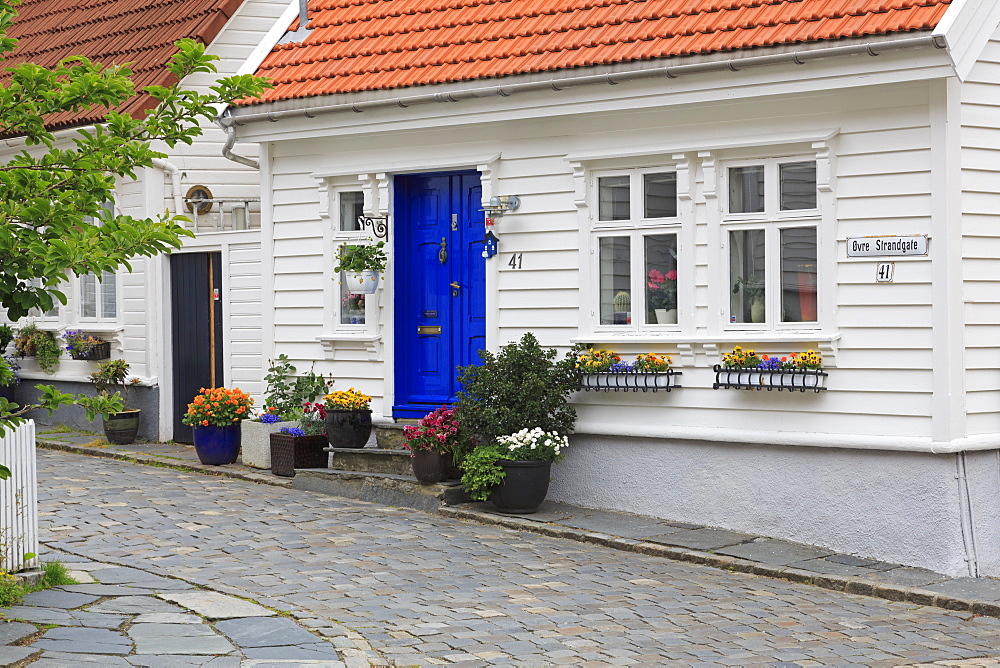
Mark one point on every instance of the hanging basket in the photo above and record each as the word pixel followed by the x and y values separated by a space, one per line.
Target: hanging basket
pixel 361 282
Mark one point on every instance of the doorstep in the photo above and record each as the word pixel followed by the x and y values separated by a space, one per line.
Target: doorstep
pixel 746 553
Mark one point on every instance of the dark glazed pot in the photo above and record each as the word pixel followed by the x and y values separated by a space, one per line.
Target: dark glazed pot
pixel 348 429
pixel 121 428
pixel 7 391
pixel 217 445
pixel 524 486
pixel 428 466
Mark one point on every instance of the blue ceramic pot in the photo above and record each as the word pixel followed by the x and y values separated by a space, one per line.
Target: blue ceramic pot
pixel 217 445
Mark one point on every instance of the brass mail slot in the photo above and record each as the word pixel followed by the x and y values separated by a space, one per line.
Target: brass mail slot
pixel 428 329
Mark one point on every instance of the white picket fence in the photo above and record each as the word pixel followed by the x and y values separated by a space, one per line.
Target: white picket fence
pixel 19 499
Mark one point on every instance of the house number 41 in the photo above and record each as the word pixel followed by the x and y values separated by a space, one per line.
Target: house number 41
pixel 515 260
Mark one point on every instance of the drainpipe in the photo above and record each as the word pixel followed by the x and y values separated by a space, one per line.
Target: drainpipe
pixel 175 182
pixel 227 149
pixel 966 519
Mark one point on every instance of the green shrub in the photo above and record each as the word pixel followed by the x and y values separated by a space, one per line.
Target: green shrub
pixel 521 387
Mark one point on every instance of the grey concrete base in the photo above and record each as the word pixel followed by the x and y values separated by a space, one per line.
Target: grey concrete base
pixel 371 460
pixel 255 442
pixel 923 510
pixel 145 398
pixel 388 489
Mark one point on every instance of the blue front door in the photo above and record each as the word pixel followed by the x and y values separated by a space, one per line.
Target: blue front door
pixel 440 292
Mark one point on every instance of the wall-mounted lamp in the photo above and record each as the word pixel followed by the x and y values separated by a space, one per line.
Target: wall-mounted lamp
pixel 501 204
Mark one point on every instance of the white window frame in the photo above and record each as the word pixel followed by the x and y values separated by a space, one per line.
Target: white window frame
pixel 353 238
pixel 636 228
pixel 772 220
pixel 101 318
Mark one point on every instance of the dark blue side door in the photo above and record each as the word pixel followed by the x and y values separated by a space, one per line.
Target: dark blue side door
pixel 440 291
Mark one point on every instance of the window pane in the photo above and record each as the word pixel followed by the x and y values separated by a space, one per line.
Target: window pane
pixel 352 307
pixel 352 205
pixel 746 189
pixel 88 296
pixel 616 285
pixel 109 295
pixel 613 195
pixel 661 279
pixel 746 272
pixel 798 185
pixel 660 191
pixel 798 274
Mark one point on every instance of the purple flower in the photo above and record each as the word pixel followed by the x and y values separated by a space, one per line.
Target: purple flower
pixel 269 418
pixel 621 367
pixel 293 431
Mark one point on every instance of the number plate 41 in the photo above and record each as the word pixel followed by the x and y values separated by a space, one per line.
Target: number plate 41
pixel 884 272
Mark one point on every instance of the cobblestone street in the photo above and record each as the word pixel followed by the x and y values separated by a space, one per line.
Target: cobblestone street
pixel 405 587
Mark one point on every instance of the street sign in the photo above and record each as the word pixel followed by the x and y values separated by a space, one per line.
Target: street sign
pixel 915 244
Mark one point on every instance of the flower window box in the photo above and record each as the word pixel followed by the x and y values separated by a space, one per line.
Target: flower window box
pixel 96 351
pixel 761 379
pixel 635 381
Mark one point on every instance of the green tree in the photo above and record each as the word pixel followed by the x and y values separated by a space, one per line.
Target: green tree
pixel 52 224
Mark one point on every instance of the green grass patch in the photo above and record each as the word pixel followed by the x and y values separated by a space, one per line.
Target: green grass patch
pixel 54 574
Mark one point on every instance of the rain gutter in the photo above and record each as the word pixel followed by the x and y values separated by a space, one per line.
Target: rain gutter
pixel 798 57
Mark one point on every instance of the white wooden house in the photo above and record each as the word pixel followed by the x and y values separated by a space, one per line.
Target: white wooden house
pixel 177 325
pixel 724 141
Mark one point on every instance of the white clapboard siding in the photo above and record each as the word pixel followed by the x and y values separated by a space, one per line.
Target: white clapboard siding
pixel 19 499
pixel 980 97
pixel 245 347
pixel 882 160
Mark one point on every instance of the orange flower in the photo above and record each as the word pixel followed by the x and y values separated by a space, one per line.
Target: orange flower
pixel 204 423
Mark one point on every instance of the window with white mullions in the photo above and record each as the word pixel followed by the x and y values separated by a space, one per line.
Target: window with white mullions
pixel 351 205
pixel 99 297
pixel 771 237
pixel 636 248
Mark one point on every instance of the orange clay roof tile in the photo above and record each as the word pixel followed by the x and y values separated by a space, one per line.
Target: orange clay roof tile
pixel 360 45
pixel 139 32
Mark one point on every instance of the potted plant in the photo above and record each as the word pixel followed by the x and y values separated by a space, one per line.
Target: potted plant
pixel 9 376
pixel 605 370
pixel 661 295
pixel 753 296
pixel 283 400
pixel 745 369
pixel 522 387
pixel 514 472
pixel 40 344
pixel 303 446
pixel 120 427
pixel 431 444
pixel 6 336
pixel 215 415
pixel 362 265
pixel 348 418
pixel 82 346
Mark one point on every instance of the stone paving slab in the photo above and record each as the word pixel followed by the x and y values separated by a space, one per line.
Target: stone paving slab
pixel 11 632
pixel 772 551
pixel 168 661
pixel 55 598
pixel 84 641
pixel 178 639
pixel 52 659
pixel 703 539
pixel 265 632
pixel 108 590
pixel 212 605
pixel 134 605
pixel 11 656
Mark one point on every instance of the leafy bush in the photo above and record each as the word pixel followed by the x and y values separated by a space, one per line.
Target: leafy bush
pixel 521 387
pixel 40 344
pixel 286 392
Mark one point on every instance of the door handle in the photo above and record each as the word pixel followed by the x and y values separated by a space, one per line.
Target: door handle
pixel 443 253
pixel 454 288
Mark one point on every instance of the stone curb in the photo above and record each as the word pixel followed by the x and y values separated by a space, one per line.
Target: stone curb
pixel 139 458
pixel 849 585
pixel 29 578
